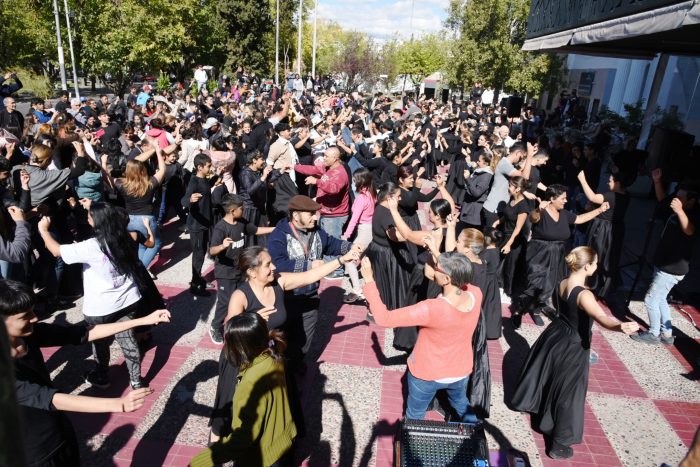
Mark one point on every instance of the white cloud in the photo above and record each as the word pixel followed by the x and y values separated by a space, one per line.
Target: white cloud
pixel 384 18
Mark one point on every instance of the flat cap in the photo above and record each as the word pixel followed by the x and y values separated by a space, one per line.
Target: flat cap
pixel 303 203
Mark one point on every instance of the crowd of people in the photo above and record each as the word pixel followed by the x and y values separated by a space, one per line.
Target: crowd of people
pixel 286 187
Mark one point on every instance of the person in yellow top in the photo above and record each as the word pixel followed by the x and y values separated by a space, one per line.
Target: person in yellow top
pixel 263 429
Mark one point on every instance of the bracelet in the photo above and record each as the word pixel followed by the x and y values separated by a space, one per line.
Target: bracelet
pixel 123 409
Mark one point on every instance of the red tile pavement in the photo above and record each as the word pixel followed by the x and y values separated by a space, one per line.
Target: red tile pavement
pixel 595 450
pixel 496 361
pixel 684 418
pixel 609 375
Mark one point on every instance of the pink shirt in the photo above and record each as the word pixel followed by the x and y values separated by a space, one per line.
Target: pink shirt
pixel 362 212
pixel 443 349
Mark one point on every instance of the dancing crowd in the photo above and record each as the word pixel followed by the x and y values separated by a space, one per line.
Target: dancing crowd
pixel 283 189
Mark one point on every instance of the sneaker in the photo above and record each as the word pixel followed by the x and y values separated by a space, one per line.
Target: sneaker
pixel 560 452
pixel 97 380
pixel 667 339
pixel 335 275
pixel 646 337
pixel 216 336
pixel 350 297
pixel 198 291
pixel 537 319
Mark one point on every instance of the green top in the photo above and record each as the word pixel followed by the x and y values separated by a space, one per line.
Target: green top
pixel 263 429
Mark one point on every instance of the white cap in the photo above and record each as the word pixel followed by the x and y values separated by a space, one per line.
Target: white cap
pixel 211 121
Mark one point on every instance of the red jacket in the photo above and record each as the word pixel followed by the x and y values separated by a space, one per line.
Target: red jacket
pixel 333 188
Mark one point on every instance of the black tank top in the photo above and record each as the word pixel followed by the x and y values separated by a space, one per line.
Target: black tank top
pixel 276 319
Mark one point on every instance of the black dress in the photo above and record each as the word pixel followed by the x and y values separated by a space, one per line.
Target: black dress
pixel 253 190
pixel 393 265
pixel 221 416
pixel 491 303
pixel 545 258
pixel 508 214
pixel 605 235
pixel 554 381
pixel 408 208
pixel 479 387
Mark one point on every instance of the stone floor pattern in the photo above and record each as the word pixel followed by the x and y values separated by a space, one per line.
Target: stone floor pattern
pixel 642 409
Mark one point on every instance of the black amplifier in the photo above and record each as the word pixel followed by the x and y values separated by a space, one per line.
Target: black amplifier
pixel 424 443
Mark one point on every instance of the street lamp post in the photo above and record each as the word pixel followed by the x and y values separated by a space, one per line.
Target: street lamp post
pixel 277 46
pixel 72 54
pixel 61 60
pixel 299 39
pixel 313 53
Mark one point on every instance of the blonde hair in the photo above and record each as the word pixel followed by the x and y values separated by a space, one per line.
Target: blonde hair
pixel 40 154
pixel 136 182
pixel 471 239
pixel 579 257
pixel 498 153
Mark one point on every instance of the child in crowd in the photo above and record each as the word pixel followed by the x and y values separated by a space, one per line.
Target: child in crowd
pixel 227 238
pixel 198 199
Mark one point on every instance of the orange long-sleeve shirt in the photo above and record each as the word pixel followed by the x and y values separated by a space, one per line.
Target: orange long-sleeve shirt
pixel 444 345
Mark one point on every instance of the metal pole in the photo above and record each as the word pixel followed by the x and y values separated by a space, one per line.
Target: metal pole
pixel 299 40
pixel 651 102
pixel 277 47
pixel 313 54
pixel 61 60
pixel 72 55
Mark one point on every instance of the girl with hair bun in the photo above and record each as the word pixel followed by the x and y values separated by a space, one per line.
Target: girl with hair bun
pixel 554 381
pixel 491 307
pixel 512 217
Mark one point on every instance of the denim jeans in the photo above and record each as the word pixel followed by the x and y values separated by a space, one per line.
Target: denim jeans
pixel 421 393
pixel 333 226
pixel 655 301
pixel 146 255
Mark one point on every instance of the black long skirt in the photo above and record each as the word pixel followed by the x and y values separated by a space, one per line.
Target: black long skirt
pixel 255 217
pixel 545 269
pixel 606 239
pixel 491 307
pixel 393 268
pixel 553 384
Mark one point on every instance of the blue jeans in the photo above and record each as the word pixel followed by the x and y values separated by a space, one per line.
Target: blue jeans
pixel 421 393
pixel 146 255
pixel 333 226
pixel 655 301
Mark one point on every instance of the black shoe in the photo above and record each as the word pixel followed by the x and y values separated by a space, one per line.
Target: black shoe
pixel 216 336
pixel 559 451
pixel 516 319
pixel 97 380
pixel 199 291
pixel 537 319
pixel 550 312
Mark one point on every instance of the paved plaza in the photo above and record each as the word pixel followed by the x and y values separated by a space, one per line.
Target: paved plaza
pixel 643 404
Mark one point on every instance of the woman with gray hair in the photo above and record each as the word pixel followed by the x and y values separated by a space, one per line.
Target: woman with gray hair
pixel 442 358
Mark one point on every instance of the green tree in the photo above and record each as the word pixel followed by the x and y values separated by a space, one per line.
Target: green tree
pixel 27 37
pixel 487 48
pixel 248 25
pixel 330 39
pixel 420 57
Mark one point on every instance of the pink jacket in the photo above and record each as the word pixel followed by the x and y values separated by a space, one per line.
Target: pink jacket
pixel 362 212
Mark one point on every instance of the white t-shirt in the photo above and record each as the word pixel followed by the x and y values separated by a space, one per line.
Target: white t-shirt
pixel 105 290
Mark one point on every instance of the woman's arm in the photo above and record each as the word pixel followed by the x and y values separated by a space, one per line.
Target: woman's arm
pixel 519 223
pixel 443 191
pixel 451 236
pixel 236 305
pixel 414 236
pixel 592 196
pixel 101 331
pixel 583 218
pixel 86 404
pixel 51 244
pixel 293 280
pixel 160 173
pixel 588 302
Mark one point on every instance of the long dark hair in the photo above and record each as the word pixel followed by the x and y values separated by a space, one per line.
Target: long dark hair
pixel 442 208
pixel 364 180
pixel 246 336
pixel 386 190
pixel 114 240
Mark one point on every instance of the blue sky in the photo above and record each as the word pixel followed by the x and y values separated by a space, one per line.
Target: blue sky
pixel 384 18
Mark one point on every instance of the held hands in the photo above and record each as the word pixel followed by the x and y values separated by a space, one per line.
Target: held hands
pixel 157 317
pixel 352 255
pixel 629 327
pixel 135 399
pixel 266 171
pixel 311 180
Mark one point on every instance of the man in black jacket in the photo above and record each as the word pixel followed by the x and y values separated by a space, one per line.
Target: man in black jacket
pixel 11 119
